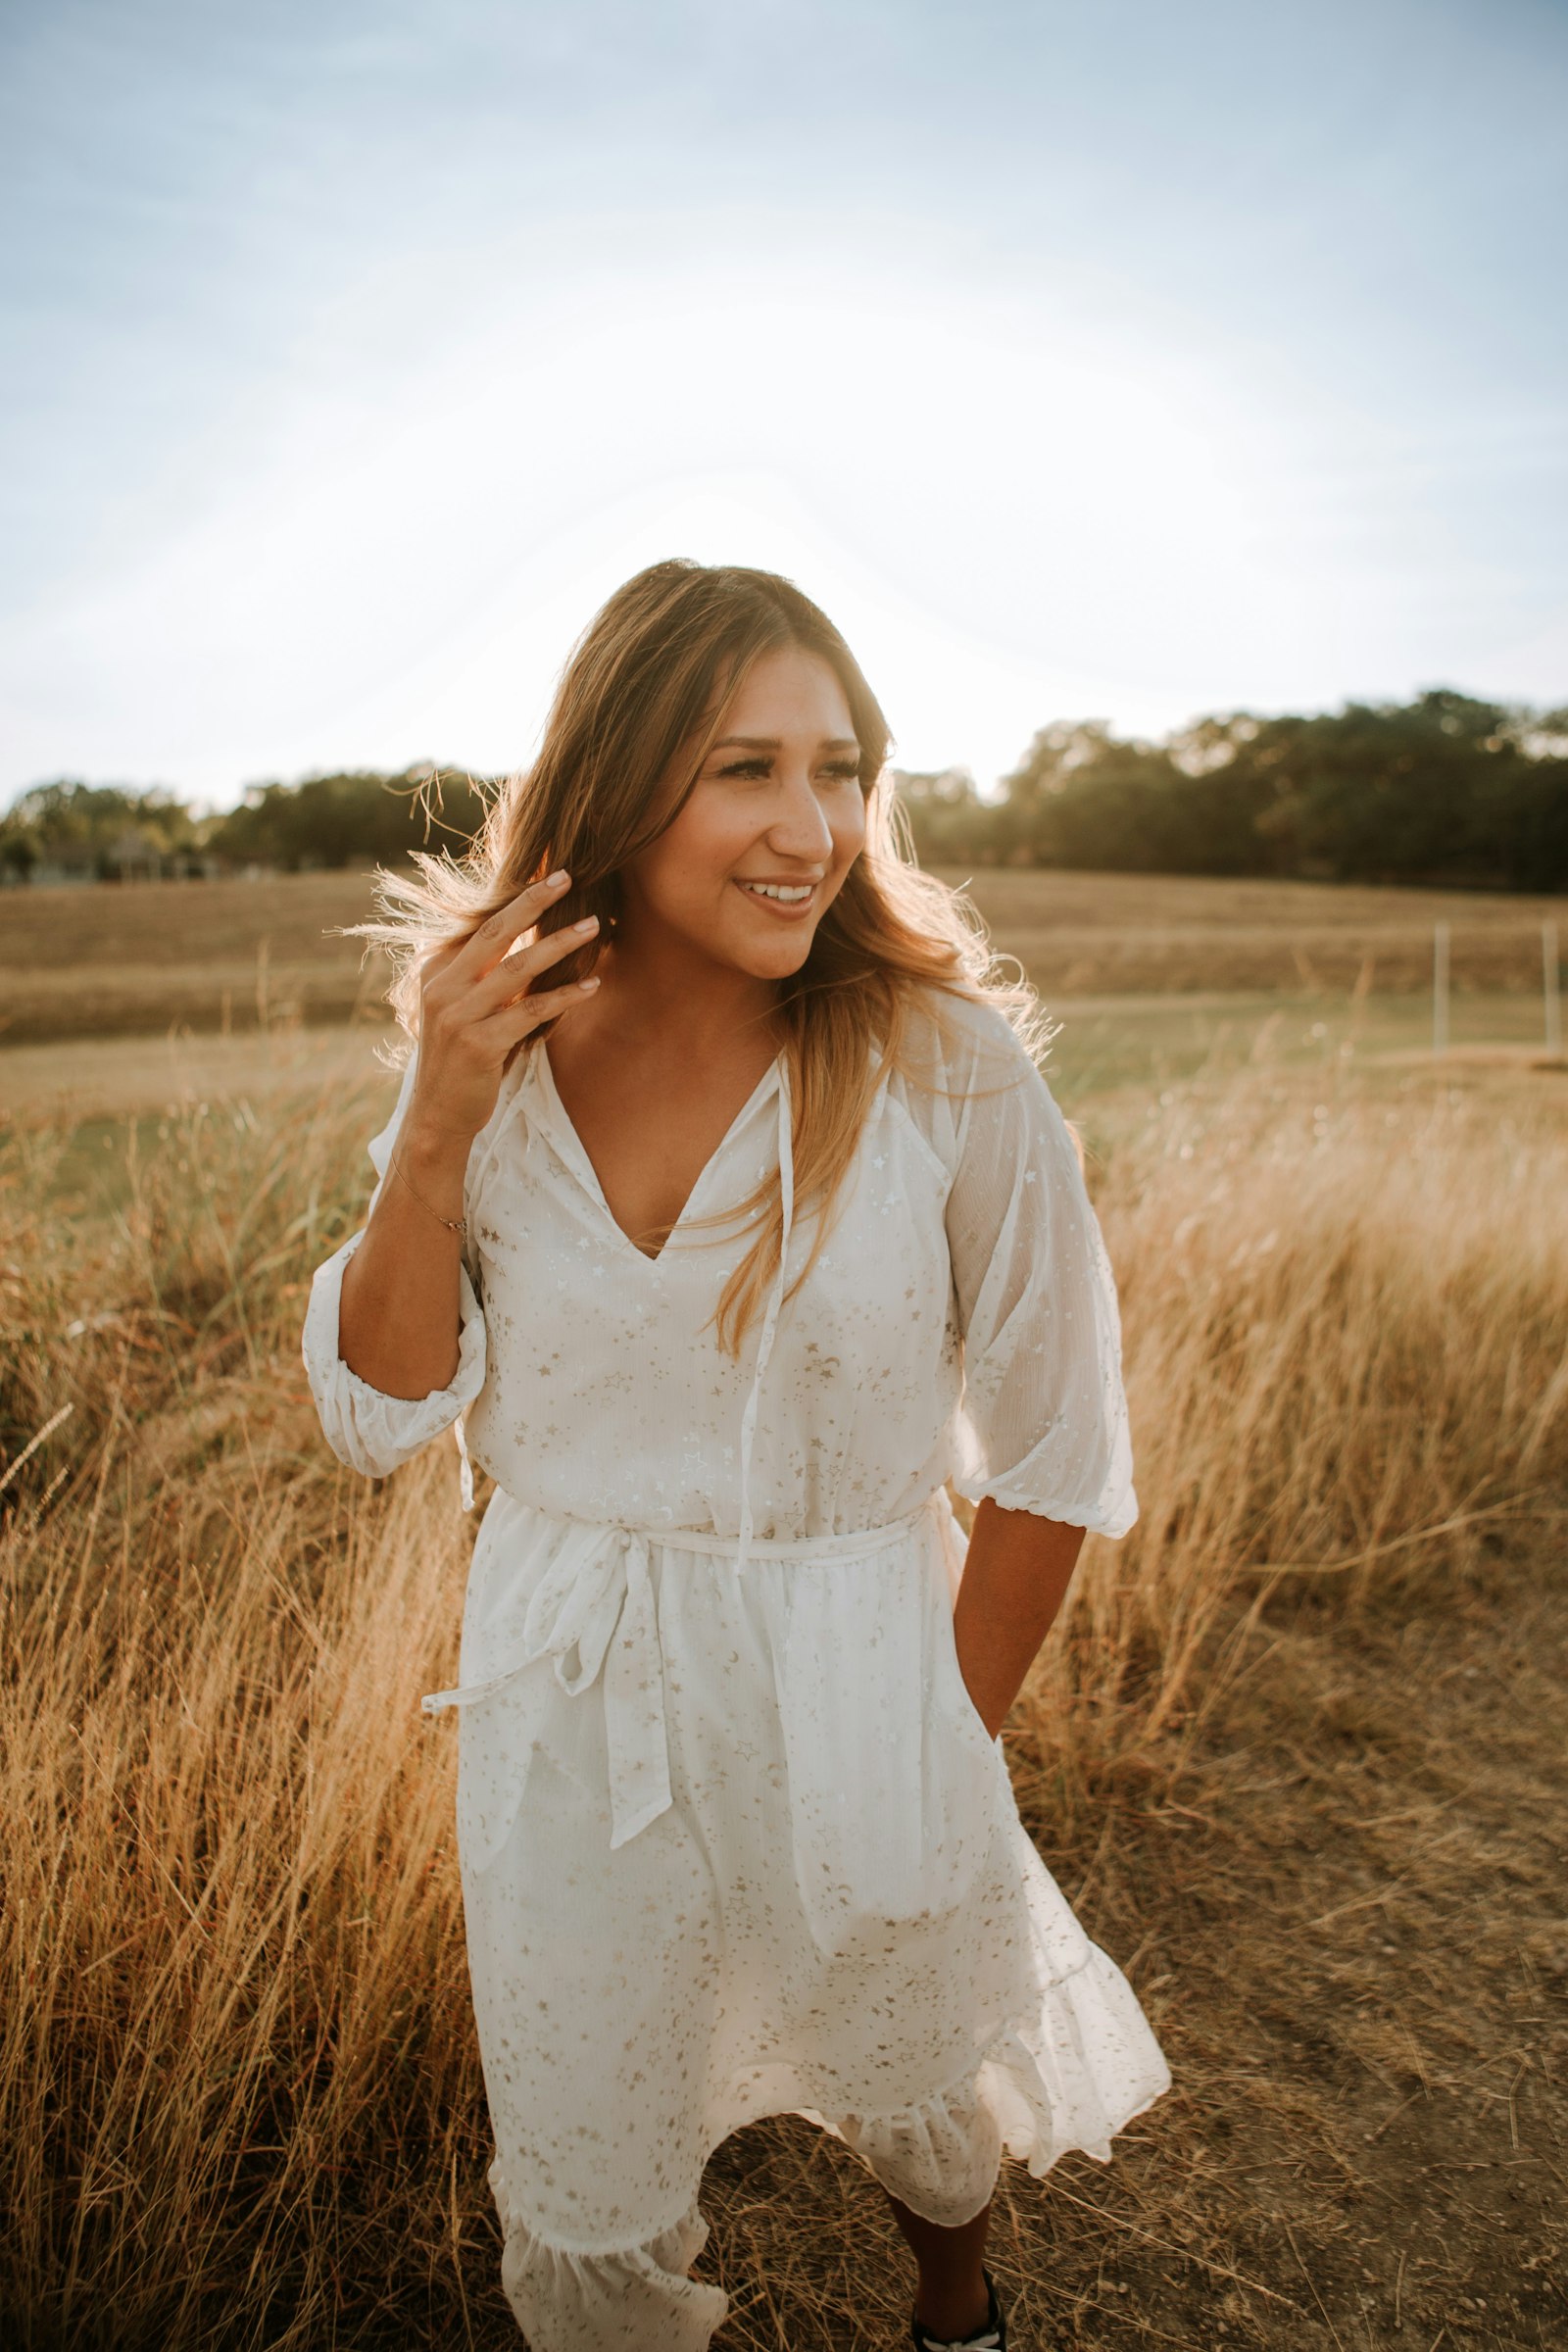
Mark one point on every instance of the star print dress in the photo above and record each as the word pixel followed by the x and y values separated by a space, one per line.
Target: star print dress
pixel 734 1841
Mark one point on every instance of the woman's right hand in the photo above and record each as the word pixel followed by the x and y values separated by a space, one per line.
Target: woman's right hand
pixel 476 1005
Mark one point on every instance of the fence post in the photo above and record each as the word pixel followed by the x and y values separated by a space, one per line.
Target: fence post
pixel 1439 988
pixel 1552 987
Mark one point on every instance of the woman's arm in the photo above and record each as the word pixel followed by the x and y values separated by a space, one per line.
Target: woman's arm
pixel 400 1309
pixel 1016 1577
pixel 394 1339
pixel 1044 1429
pixel 1045 1452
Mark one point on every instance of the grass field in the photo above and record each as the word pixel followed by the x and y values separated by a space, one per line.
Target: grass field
pixel 133 959
pixel 1294 1753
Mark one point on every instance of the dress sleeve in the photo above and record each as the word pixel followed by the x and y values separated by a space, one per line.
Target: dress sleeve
pixel 367 1429
pixel 1043 1426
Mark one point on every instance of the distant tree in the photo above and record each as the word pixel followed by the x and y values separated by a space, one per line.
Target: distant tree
pixel 1082 798
pixel 18 851
pixel 330 820
pixel 1380 792
pixel 945 813
pixel 1531 807
pixel 1445 789
pixel 90 829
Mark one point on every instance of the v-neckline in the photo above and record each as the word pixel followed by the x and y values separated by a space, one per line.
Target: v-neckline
pixel 576 1154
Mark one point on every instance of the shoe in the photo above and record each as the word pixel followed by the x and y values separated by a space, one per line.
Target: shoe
pixel 993 2336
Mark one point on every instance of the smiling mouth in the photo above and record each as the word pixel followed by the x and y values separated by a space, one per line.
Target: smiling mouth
pixel 783 895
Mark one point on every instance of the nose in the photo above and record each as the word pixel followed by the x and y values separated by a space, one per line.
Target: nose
pixel 799 828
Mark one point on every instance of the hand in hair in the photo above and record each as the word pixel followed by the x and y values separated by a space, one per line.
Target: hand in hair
pixel 400 1306
pixel 476 1005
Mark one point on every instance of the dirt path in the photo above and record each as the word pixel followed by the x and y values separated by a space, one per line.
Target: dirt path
pixel 1351 1933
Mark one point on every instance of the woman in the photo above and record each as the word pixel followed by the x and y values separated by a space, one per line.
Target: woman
pixel 729 1252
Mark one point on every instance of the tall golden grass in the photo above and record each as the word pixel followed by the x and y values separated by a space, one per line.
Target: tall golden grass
pixel 231 955
pixel 1345 1340
pixel 239 2097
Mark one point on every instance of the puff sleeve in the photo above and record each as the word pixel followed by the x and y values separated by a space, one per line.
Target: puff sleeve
pixel 1044 1425
pixel 367 1429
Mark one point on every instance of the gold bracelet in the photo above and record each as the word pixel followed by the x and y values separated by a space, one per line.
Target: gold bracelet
pixel 459 1227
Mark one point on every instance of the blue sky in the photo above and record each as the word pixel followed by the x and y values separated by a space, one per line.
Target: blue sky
pixel 1125 361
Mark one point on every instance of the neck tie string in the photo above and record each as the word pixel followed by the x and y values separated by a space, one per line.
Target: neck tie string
pixel 764 1344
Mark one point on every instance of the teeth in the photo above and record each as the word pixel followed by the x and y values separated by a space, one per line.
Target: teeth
pixel 792 893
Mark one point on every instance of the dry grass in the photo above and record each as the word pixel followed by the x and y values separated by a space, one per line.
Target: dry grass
pixel 1118 933
pixel 93 1079
pixel 241 2105
pixel 1344 1355
pixel 119 960
pixel 240 2072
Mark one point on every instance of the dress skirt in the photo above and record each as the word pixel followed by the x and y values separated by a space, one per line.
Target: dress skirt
pixel 735 1842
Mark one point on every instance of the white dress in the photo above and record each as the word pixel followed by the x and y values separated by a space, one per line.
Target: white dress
pixel 734 1839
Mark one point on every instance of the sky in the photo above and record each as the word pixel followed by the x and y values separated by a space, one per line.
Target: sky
pixel 1123 361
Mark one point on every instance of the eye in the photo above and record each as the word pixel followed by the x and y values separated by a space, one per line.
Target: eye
pixel 755 767
pixel 846 770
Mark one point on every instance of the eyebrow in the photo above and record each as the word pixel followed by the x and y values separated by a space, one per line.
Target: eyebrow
pixel 771 743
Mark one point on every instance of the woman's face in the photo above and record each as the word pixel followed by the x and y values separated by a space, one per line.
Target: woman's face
pixel 769 830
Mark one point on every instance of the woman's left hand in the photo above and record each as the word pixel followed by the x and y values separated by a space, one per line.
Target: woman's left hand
pixel 1016 1577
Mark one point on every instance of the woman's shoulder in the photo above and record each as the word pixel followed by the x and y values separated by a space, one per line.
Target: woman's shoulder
pixel 960 1043
pixel 954 1049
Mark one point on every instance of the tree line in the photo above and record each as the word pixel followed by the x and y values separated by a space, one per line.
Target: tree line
pixel 112 832
pixel 1448 789
pixel 1444 789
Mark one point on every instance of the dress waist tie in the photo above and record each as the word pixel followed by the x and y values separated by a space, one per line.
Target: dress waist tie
pixel 597 1598
pixel 597 1592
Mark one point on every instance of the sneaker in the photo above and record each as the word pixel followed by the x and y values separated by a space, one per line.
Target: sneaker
pixel 993 2336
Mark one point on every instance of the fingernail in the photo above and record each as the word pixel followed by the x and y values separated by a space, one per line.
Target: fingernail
pixel 590 922
pixel 587 986
pixel 556 879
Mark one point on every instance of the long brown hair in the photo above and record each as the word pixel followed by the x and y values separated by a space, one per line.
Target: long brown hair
pixel 646 687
